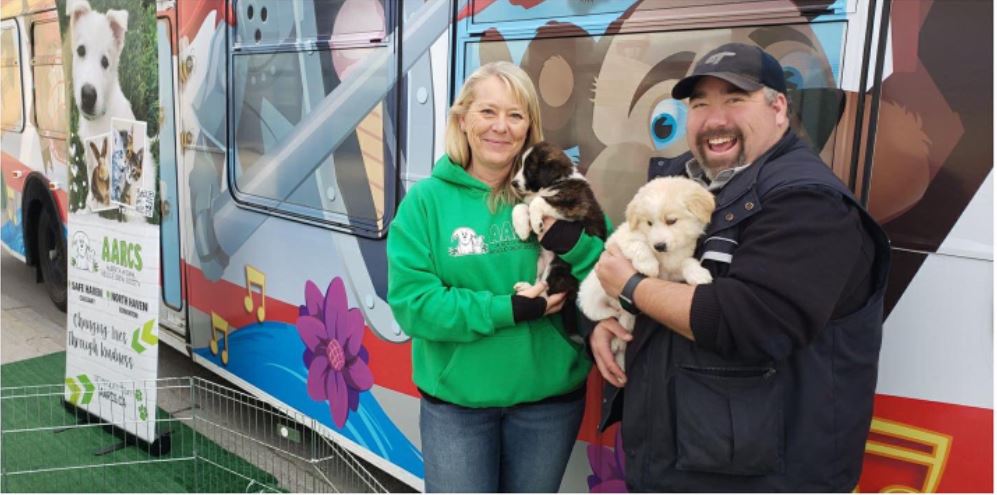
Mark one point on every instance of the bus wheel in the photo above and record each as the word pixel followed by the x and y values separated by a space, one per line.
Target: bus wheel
pixel 52 257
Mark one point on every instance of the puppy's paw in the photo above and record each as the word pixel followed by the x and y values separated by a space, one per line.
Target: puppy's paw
pixel 619 349
pixel 647 266
pixel 616 345
pixel 537 224
pixel 521 286
pixel 696 275
pixel 521 221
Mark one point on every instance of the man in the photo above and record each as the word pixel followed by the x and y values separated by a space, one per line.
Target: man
pixel 763 380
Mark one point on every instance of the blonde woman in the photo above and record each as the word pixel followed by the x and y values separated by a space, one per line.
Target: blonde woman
pixel 502 385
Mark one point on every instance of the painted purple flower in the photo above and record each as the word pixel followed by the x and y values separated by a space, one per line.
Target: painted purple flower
pixel 334 354
pixel 607 468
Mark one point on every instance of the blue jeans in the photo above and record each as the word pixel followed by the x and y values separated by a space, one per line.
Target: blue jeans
pixel 498 449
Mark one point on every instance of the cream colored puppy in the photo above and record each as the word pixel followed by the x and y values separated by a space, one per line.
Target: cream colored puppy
pixel 663 222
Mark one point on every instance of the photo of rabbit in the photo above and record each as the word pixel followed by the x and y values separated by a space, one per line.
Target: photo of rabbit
pixel 99 173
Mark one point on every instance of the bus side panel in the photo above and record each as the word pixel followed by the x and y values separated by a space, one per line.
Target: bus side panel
pixel 277 237
pixel 932 189
pixel 27 148
pixel 285 257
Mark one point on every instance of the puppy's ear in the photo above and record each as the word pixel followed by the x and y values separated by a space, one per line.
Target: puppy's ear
pixel 76 9
pixel 526 154
pixel 119 24
pixel 701 204
pixel 632 216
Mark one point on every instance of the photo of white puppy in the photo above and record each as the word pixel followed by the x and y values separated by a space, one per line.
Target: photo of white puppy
pixel 663 222
pixel 97 41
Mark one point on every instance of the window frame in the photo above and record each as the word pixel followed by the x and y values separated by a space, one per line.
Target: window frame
pixel 51 18
pixel 168 21
pixel 19 67
pixel 319 217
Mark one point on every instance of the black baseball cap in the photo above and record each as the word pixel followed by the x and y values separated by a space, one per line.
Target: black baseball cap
pixel 745 66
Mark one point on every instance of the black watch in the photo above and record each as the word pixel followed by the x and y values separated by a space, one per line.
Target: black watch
pixel 627 294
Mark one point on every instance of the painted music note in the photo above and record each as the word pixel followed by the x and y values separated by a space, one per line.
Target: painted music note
pixel 256 278
pixel 218 324
pixel 934 456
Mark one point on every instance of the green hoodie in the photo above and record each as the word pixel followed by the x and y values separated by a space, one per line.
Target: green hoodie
pixel 451 268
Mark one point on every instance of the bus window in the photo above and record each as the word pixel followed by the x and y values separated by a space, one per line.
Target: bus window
pixel 12 118
pixel 629 116
pixel 339 21
pixel 279 85
pixel 50 92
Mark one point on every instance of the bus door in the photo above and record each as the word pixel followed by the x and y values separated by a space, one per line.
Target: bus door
pixel 172 310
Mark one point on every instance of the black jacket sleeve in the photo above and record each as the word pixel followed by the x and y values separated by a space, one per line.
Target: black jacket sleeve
pixel 795 262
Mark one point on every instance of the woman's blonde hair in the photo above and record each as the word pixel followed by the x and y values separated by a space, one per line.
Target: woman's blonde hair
pixel 522 88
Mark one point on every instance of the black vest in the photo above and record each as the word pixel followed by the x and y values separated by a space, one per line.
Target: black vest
pixel 695 421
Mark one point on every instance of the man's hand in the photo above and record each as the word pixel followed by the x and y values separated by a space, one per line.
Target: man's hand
pixel 613 271
pixel 599 341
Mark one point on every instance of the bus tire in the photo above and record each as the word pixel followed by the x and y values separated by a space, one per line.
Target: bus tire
pixel 52 257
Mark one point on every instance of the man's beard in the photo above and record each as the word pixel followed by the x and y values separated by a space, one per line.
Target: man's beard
pixel 714 167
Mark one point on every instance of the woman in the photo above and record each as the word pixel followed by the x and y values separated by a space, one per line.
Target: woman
pixel 502 385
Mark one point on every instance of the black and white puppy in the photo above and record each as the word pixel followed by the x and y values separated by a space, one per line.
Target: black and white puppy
pixel 551 187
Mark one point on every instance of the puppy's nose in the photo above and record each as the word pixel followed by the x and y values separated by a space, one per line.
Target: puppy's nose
pixel 661 247
pixel 88 95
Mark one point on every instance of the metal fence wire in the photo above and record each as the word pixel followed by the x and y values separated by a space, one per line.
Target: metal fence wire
pixel 210 438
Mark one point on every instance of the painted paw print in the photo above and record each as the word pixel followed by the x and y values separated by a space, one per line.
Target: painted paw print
pixel 143 413
pixel 138 395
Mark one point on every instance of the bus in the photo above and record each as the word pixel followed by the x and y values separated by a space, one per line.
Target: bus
pixel 291 129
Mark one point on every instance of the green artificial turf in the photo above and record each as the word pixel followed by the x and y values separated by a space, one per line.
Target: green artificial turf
pixel 49 448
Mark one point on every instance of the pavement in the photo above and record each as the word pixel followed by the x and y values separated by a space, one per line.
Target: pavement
pixel 30 325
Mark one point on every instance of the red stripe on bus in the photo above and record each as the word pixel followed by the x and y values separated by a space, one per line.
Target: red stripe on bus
pixel 9 165
pixel 928 446
pixel 193 14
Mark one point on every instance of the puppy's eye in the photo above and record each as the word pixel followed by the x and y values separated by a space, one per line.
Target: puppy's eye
pixel 650 223
pixel 81 51
pixel 103 61
pixel 670 221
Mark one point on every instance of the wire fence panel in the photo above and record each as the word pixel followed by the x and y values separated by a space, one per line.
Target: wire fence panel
pixel 209 438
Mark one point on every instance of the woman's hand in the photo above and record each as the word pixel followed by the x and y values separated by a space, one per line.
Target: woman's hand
pixel 554 301
pixel 548 221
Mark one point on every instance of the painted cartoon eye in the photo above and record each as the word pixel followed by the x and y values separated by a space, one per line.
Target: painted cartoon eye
pixel 667 122
pixel 806 70
pixel 794 78
pixel 103 61
pixel 81 51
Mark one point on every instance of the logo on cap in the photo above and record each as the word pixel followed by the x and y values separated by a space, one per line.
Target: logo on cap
pixel 717 57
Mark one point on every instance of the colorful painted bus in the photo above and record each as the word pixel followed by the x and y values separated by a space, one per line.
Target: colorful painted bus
pixel 291 129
